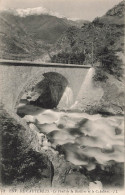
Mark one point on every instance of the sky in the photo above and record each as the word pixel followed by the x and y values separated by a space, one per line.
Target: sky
pixel 81 9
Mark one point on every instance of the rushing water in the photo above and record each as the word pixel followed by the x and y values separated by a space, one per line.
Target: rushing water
pixel 67 98
pixel 85 139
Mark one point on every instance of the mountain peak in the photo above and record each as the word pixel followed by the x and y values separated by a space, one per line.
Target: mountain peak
pixel 118 10
pixel 32 11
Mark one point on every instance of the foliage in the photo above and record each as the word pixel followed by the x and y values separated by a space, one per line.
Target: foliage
pixel 69 58
pixel 106 31
pixel 100 75
pixel 110 62
pixel 19 162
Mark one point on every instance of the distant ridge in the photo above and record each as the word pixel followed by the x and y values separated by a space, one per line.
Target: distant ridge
pixel 31 11
pixel 105 31
pixel 30 34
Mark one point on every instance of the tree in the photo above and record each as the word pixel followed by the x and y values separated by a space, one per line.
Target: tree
pixel 110 62
pixel 70 57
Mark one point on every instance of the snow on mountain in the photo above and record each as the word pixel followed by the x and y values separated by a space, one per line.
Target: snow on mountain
pixel 32 11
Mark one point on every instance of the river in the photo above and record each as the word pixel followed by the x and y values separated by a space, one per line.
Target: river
pixel 85 139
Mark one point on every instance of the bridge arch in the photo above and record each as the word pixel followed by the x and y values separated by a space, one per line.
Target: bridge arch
pixel 39 77
pixel 16 76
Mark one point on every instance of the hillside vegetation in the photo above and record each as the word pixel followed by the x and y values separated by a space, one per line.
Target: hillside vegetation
pixel 106 31
pixel 46 37
pixel 15 42
pixel 32 36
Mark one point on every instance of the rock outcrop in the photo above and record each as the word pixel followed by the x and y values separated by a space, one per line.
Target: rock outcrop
pixel 26 163
pixel 106 97
pixel 21 163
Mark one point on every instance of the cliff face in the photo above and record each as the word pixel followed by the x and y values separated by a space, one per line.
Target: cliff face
pixel 106 97
pixel 113 98
pixel 21 162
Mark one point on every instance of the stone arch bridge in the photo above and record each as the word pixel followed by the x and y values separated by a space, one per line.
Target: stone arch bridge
pixel 17 76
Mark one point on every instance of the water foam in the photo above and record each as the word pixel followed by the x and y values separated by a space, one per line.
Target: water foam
pixel 66 99
pixel 86 139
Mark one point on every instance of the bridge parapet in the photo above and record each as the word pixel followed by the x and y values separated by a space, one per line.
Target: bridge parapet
pixel 41 64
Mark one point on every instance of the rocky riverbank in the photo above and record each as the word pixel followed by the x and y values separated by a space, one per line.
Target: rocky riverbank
pixel 35 158
pixel 26 163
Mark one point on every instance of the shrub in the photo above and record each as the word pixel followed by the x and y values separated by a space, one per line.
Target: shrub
pixel 109 62
pixel 100 75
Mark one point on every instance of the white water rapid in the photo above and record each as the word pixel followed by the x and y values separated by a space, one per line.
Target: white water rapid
pixel 67 99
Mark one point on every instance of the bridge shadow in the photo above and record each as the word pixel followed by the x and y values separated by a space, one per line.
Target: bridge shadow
pixel 46 94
